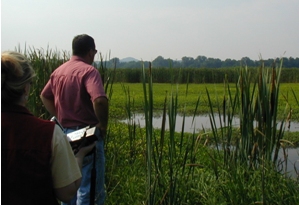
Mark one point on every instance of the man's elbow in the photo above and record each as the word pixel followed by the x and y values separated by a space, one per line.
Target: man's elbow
pixel 101 101
pixel 43 99
pixel 65 197
pixel 65 194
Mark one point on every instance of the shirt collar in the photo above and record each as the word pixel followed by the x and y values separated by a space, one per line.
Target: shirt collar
pixel 77 58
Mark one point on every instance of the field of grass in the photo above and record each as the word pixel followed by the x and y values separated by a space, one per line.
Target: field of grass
pixel 188 97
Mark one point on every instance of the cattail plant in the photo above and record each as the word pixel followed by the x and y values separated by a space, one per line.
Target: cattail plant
pixel 44 62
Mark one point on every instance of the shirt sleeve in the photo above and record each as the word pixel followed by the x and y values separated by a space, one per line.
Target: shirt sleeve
pixel 93 84
pixel 65 169
pixel 47 91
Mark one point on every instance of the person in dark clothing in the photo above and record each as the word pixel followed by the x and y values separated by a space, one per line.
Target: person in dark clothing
pixel 37 163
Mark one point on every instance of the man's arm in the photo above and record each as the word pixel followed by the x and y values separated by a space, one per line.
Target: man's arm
pixel 49 105
pixel 66 193
pixel 101 109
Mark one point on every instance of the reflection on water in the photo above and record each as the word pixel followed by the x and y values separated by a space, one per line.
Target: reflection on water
pixel 292 161
pixel 203 121
pixel 198 123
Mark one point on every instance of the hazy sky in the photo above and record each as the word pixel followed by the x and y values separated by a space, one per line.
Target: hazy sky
pixel 147 29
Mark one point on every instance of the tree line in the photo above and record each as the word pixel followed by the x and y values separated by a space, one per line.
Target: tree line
pixel 202 62
pixel 195 75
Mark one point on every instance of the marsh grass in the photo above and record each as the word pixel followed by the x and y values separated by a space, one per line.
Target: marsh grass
pixel 250 163
pixel 256 106
pixel 260 139
pixel 44 62
pixel 159 166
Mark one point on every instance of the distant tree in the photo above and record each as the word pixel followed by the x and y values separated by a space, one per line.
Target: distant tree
pixel 212 63
pixel 291 61
pixel 203 62
pixel 187 62
pixel 112 63
pixel 161 62
pixel 199 61
pixel 247 61
pixel 296 63
pixel 217 63
pixel 229 63
pixel 176 64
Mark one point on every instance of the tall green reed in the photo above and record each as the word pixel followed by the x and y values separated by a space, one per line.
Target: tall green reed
pixel 259 141
pixel 107 74
pixel 131 124
pixel 148 112
pixel 255 104
pixel 44 62
pixel 170 157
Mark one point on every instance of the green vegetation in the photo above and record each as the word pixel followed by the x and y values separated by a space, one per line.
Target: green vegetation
pixel 202 62
pixel 195 91
pixel 196 75
pixel 158 166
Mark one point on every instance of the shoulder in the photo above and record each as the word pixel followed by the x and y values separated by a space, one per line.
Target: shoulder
pixel 45 128
pixel 59 140
pixel 44 123
pixel 91 72
pixel 58 134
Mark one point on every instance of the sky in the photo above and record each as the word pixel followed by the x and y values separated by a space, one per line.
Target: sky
pixel 224 29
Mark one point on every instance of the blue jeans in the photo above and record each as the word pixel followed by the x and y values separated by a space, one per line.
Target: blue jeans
pixel 83 193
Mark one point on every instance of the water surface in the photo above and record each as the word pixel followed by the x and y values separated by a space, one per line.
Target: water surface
pixel 203 122
pixel 198 123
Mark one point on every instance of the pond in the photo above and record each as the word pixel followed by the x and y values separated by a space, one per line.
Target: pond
pixel 200 122
pixel 203 121
pixel 292 161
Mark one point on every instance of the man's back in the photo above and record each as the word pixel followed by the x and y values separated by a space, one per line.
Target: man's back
pixel 75 95
pixel 74 86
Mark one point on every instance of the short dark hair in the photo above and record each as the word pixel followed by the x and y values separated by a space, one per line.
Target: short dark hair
pixel 82 44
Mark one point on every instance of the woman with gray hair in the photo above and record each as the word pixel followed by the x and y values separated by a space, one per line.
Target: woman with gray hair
pixel 38 164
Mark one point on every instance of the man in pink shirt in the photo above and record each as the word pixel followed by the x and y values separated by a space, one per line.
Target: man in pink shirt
pixel 76 96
